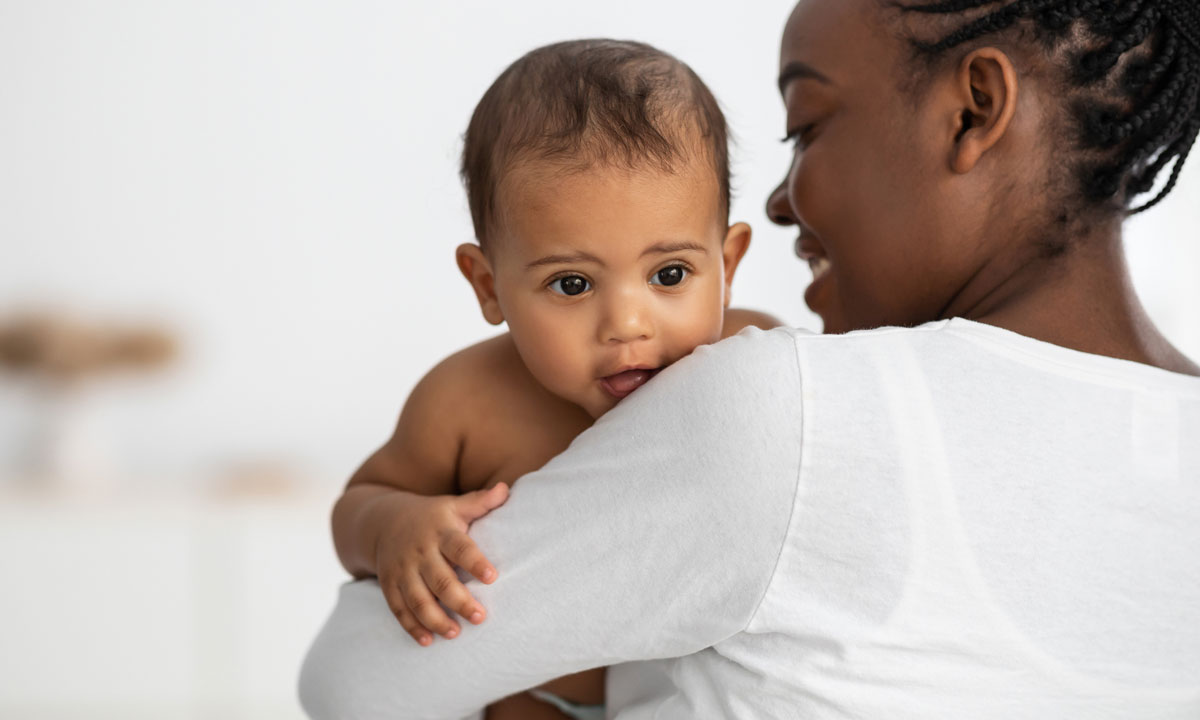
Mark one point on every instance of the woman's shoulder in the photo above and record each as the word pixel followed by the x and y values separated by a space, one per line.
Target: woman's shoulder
pixel 964 352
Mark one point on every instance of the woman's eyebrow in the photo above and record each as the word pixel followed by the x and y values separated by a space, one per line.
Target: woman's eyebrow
pixel 798 70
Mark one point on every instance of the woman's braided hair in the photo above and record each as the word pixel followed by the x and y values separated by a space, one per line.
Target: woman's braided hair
pixel 1137 65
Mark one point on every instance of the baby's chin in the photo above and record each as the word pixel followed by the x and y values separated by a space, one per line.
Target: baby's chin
pixel 597 406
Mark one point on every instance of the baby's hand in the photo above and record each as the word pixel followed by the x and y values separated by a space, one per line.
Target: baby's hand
pixel 416 556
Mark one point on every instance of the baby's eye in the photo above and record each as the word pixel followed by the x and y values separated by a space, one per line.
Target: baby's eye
pixel 570 285
pixel 669 276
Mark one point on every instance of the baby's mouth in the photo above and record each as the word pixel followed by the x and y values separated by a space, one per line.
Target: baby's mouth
pixel 622 384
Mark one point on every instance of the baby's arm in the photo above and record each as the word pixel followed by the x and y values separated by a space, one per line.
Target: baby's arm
pixel 398 520
pixel 398 494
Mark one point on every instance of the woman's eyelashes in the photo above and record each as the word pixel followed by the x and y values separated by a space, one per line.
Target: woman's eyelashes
pixel 574 285
pixel 800 136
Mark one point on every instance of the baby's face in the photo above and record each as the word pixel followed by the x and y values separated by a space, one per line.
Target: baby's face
pixel 608 275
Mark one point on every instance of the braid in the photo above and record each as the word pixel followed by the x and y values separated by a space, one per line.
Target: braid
pixel 1179 151
pixel 1120 16
pixel 992 22
pixel 1095 66
pixel 1185 15
pixel 1135 80
pixel 1058 18
pixel 1106 127
pixel 1141 74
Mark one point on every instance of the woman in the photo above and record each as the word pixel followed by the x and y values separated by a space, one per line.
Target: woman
pixel 988 511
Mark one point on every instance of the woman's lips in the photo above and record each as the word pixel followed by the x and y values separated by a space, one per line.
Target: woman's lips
pixel 621 384
pixel 810 251
pixel 821 275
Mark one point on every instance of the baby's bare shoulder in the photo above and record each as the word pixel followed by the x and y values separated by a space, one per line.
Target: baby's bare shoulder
pixel 436 440
pixel 738 319
pixel 489 388
pixel 509 422
pixel 448 396
pixel 481 370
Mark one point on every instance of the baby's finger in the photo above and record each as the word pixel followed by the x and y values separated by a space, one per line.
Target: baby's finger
pixel 408 621
pixel 461 550
pixel 422 604
pixel 445 584
pixel 475 505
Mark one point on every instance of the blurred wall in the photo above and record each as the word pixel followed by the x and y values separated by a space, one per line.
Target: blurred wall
pixel 277 180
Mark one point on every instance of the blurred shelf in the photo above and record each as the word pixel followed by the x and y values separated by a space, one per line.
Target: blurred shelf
pixel 163 606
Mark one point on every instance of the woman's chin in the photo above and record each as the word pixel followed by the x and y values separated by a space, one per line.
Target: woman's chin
pixel 833 323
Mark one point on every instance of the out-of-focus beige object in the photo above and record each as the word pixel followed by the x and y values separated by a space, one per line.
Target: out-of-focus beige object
pixel 63 349
pixel 256 479
pixel 68 450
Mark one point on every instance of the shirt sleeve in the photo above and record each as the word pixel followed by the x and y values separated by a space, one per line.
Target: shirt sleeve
pixel 655 534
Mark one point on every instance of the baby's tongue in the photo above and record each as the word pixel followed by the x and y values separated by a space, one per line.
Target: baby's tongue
pixel 630 380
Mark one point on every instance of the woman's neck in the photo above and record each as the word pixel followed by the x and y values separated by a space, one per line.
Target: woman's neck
pixel 1083 300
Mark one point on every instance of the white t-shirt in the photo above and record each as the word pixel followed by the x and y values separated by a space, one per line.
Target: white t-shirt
pixel 950 521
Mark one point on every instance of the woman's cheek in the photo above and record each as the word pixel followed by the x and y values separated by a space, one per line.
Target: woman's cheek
pixel 810 192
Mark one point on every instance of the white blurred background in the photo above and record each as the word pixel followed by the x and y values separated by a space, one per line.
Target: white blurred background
pixel 273 185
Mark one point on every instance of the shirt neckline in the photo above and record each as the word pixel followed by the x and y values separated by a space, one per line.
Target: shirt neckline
pixel 1049 353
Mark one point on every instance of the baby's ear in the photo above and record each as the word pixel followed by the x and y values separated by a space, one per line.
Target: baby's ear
pixel 478 271
pixel 737 242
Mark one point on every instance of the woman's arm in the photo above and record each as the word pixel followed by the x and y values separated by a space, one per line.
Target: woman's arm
pixel 654 535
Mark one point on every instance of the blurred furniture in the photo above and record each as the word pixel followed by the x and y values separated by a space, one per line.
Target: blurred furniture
pixel 165 607
pixel 61 356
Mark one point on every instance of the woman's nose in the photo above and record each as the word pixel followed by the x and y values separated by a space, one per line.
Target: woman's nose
pixel 779 208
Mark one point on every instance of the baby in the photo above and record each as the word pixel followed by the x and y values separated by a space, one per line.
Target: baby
pixel 598 180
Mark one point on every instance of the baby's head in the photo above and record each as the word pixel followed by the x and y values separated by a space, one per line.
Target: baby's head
pixel 598 178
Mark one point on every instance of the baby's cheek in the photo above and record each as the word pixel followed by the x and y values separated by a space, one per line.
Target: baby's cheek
pixel 701 333
pixel 544 357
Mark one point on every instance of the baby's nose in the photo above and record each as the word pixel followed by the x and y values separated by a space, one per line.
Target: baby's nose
pixel 626 321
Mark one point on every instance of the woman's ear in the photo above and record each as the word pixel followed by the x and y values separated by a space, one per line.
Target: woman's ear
pixel 476 268
pixel 986 87
pixel 737 241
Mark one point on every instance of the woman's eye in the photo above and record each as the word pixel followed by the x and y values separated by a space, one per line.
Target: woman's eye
pixel 570 285
pixel 800 136
pixel 669 276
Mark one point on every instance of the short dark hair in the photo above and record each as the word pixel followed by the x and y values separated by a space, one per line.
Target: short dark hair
pixel 590 102
pixel 1132 78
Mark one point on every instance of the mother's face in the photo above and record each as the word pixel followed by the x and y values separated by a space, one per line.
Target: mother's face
pixel 869 183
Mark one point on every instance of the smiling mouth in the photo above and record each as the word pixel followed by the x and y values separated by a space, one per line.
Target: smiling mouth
pixel 811 252
pixel 820 267
pixel 816 292
pixel 621 385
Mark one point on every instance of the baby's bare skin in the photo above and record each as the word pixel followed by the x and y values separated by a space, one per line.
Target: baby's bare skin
pixel 519 425
pixel 604 276
pixel 476 420
pixel 510 424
